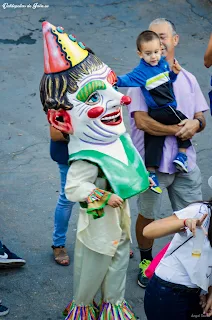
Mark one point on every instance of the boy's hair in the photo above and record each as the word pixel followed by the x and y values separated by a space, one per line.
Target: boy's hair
pixel 146 36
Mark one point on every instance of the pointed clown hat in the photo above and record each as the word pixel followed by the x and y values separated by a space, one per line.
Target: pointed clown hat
pixel 61 51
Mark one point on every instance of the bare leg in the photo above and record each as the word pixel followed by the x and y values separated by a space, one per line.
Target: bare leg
pixel 143 243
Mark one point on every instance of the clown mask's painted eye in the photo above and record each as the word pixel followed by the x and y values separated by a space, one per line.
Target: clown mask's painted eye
pixel 93 99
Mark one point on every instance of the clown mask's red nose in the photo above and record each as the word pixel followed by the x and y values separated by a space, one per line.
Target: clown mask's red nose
pixel 125 100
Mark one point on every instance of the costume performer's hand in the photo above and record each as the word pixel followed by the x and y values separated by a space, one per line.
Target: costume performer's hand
pixel 115 201
pixel 176 67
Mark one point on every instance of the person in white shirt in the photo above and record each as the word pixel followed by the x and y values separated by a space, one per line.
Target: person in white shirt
pixel 181 287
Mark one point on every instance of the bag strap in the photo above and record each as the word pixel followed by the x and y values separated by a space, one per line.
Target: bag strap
pixel 181 245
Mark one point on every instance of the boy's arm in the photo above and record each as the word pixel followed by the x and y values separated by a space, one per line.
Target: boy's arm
pixel 131 79
pixel 176 68
pixel 172 76
pixel 208 54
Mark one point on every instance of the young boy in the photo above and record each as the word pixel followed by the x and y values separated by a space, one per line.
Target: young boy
pixel 155 79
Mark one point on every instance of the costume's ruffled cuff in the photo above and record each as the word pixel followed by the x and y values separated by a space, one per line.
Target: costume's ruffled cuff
pixel 75 312
pixel 116 312
pixel 96 201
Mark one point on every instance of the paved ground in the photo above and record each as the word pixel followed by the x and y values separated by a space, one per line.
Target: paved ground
pixel 29 179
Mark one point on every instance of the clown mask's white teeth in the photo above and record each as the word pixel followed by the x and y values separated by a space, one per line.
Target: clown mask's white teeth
pixel 112 118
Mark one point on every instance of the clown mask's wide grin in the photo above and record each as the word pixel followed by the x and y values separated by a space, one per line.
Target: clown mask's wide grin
pixel 112 119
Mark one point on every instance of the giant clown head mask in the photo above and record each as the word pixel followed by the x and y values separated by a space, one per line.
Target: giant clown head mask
pixel 78 90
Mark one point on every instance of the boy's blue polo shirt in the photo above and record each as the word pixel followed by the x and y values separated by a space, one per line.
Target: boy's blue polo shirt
pixel 154 81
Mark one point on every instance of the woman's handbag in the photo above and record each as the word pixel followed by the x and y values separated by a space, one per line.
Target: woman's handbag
pixel 153 265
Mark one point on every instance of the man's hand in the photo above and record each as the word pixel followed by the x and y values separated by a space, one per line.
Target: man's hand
pixel 176 67
pixel 188 129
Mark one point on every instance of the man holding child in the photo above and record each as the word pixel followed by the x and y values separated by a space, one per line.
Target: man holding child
pixel 183 188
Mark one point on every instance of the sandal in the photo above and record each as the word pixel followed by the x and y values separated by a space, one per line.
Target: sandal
pixel 61 256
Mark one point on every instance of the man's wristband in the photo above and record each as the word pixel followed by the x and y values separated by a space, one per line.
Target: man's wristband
pixel 200 123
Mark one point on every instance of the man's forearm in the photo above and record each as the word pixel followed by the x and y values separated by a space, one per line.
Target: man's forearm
pixel 147 124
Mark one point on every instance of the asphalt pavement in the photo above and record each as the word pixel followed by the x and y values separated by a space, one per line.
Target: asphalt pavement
pixel 29 179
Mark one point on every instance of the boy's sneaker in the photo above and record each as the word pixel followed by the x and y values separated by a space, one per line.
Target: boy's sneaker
pixel 3 310
pixel 156 187
pixel 142 278
pixel 9 259
pixel 181 162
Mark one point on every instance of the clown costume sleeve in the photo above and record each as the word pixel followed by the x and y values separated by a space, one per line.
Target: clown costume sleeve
pixel 80 186
pixel 80 180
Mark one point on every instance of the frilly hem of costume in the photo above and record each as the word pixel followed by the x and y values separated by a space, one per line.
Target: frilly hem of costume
pixel 78 312
pixel 121 311
pixel 96 207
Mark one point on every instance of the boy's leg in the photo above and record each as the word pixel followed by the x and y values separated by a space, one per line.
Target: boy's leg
pixel 153 150
pixel 170 116
pixel 153 153
pixel 154 144
pixel 181 159
pixel 167 115
pixel 183 145
pixel 61 219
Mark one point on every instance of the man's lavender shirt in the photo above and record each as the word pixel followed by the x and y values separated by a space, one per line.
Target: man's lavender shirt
pixel 190 100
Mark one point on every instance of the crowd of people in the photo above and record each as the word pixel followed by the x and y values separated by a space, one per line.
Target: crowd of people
pixel 102 168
